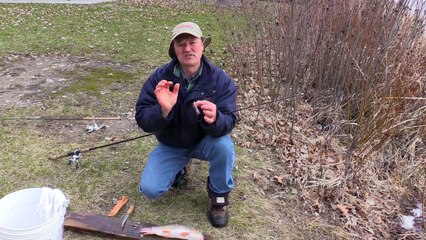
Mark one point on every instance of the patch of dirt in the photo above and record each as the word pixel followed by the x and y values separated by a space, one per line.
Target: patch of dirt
pixel 27 79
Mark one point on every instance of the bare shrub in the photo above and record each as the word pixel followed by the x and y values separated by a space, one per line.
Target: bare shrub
pixel 361 65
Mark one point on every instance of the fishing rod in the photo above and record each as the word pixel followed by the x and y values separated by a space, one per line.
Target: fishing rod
pixel 60 118
pixel 76 155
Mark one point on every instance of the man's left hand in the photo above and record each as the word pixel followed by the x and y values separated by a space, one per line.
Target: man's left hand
pixel 209 110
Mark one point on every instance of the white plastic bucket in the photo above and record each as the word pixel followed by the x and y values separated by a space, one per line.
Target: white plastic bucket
pixel 33 214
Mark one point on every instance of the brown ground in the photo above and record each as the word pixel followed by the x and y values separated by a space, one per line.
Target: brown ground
pixel 28 80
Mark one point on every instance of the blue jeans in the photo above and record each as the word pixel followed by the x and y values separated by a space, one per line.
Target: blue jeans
pixel 164 163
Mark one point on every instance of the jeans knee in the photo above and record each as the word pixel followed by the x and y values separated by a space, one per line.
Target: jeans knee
pixel 222 144
pixel 225 141
pixel 149 192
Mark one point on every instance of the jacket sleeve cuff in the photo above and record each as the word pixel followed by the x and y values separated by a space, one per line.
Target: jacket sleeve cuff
pixel 216 129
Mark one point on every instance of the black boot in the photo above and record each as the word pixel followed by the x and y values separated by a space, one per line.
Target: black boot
pixel 181 178
pixel 217 214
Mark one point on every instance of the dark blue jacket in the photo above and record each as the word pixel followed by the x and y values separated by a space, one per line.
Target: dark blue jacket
pixel 181 128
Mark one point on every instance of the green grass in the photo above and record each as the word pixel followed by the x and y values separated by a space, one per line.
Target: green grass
pixel 97 80
pixel 119 32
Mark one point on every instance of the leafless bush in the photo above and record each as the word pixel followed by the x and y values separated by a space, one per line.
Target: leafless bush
pixel 360 64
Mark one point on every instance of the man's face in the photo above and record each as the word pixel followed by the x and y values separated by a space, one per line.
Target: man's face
pixel 189 49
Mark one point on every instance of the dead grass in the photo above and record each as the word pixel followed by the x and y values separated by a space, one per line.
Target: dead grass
pixel 361 69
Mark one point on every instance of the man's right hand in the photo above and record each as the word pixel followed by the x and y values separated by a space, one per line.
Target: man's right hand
pixel 166 98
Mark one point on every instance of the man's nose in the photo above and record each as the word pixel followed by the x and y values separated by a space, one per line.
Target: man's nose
pixel 187 47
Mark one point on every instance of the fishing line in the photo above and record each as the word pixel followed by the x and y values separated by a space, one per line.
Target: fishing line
pixel 57 118
pixel 77 153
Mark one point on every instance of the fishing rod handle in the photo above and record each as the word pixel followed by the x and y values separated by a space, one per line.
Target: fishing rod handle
pixel 68 154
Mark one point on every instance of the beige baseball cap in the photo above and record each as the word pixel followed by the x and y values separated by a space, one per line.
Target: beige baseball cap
pixel 189 28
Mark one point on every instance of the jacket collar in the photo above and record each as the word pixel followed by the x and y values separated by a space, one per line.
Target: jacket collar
pixel 207 66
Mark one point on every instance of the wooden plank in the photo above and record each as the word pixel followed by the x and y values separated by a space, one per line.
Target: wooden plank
pixel 106 226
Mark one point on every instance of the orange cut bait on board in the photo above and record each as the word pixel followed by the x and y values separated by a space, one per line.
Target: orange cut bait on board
pixel 120 203
pixel 174 231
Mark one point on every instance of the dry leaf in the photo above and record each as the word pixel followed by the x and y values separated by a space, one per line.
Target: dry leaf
pixel 256 176
pixel 279 179
pixel 259 136
pixel 246 144
pixel 344 209
pixel 110 138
